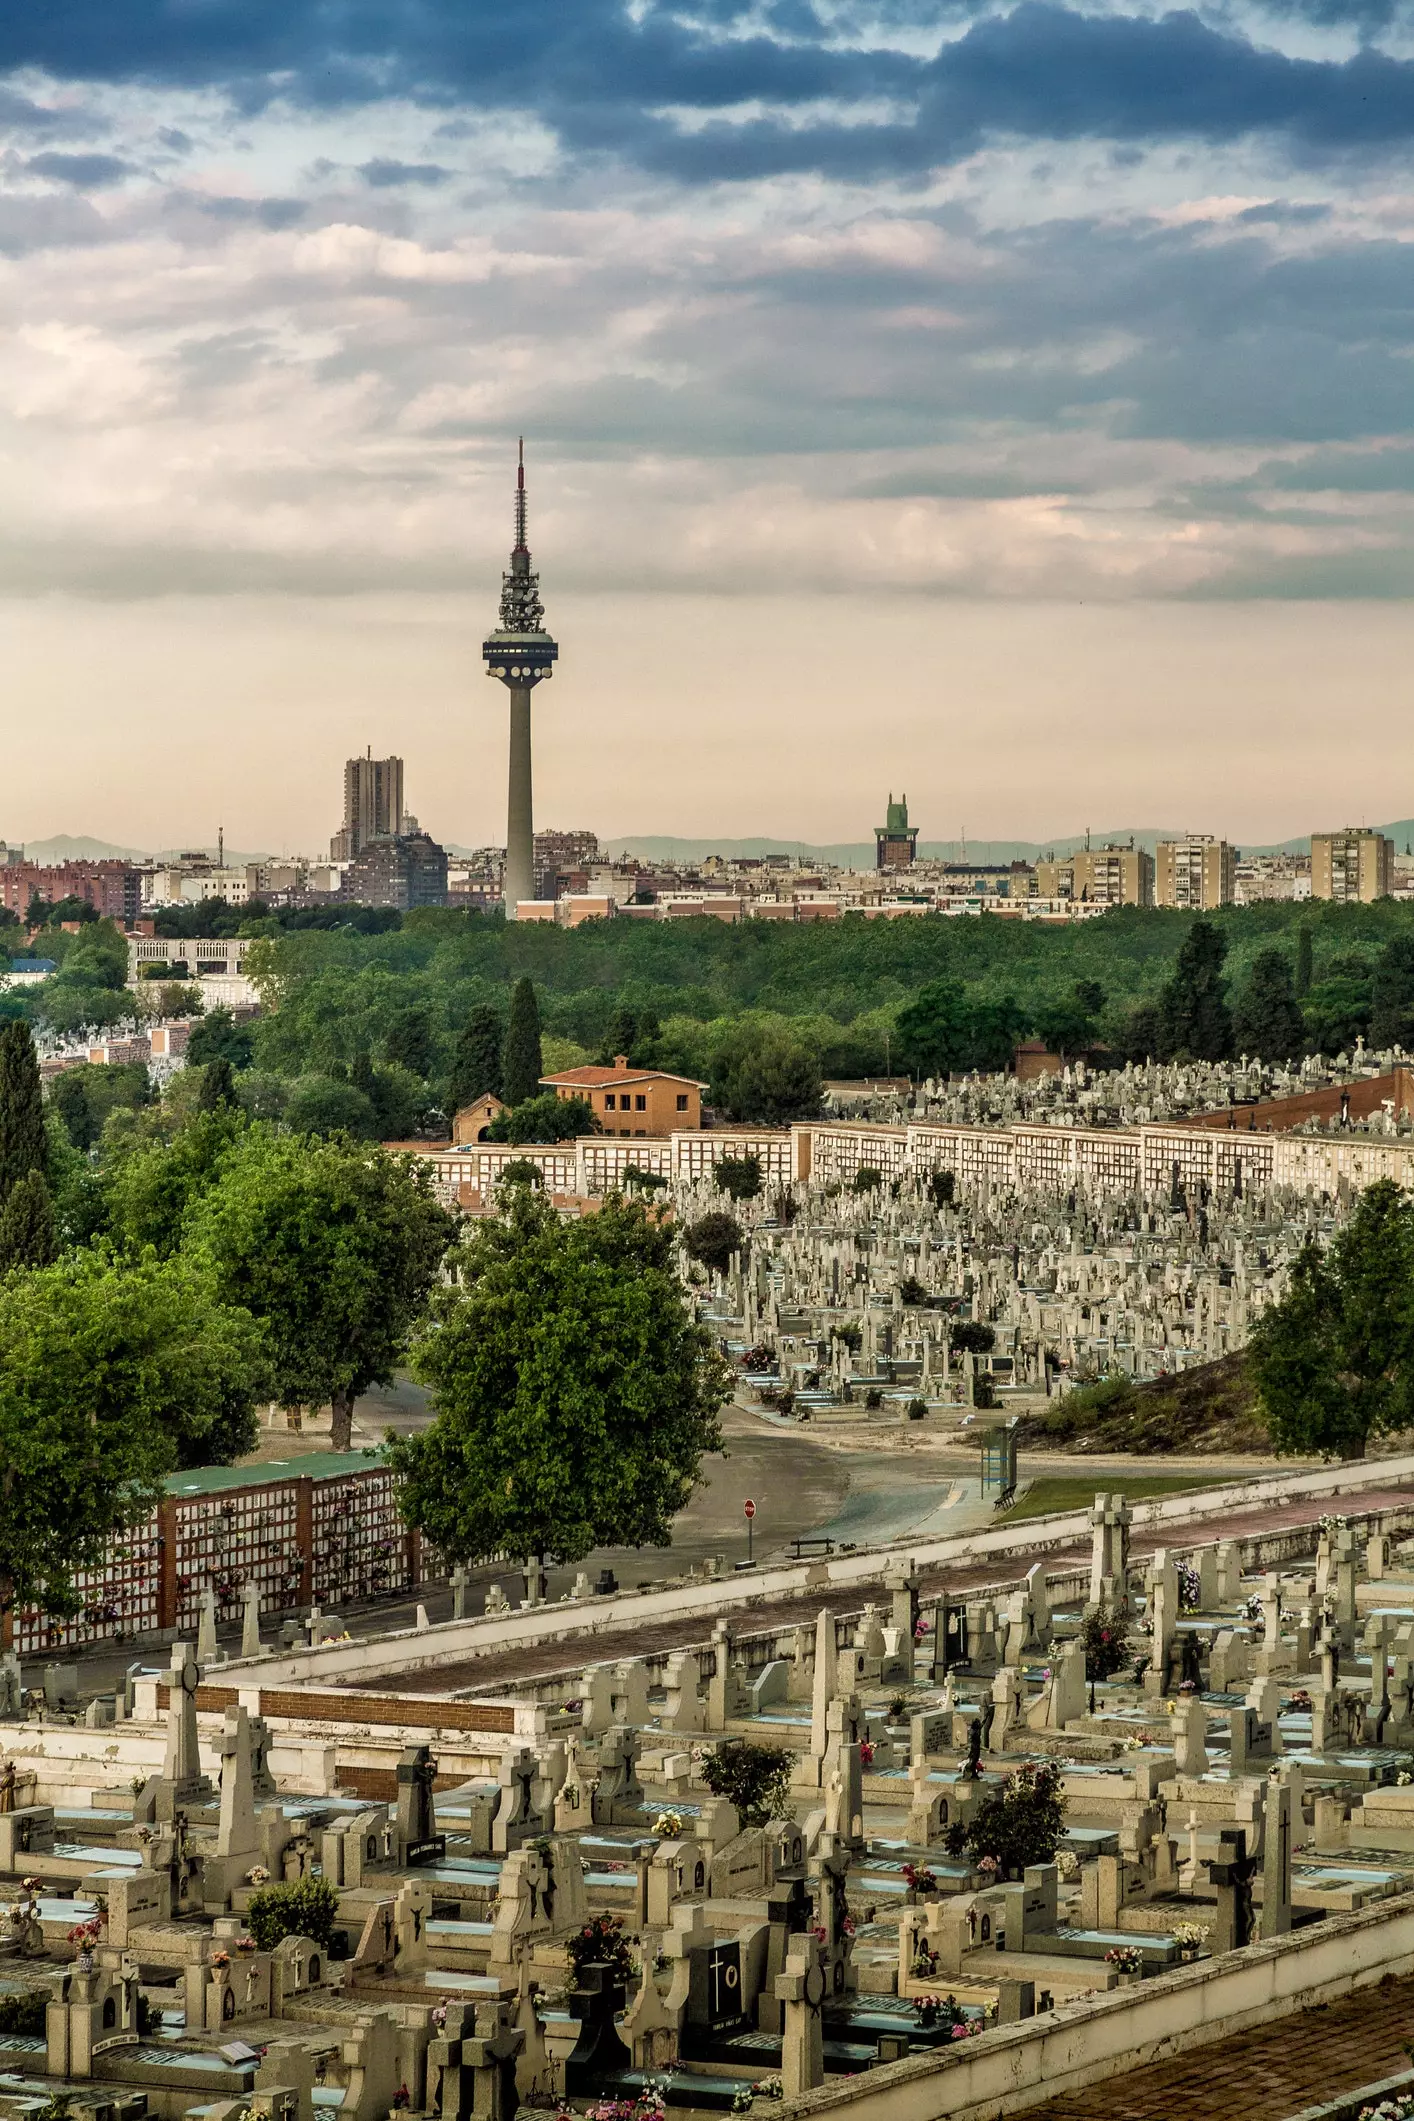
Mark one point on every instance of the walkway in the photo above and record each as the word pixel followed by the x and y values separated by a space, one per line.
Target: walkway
pixel 1269 2074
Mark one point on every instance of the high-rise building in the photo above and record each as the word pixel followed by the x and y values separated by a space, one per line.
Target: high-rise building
pixel 373 805
pixel 1197 872
pixel 1353 865
pixel 1098 876
pixel 401 869
pixel 895 841
pixel 520 653
pixel 559 854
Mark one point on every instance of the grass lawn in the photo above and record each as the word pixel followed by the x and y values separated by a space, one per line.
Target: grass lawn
pixel 1045 1497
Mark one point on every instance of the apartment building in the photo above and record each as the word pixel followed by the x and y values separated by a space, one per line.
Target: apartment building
pixel 1098 876
pixel 1352 865
pixel 1197 872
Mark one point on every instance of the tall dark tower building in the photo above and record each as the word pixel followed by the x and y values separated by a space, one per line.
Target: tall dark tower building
pixel 520 653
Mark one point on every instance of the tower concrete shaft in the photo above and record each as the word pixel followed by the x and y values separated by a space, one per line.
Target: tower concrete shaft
pixel 520 653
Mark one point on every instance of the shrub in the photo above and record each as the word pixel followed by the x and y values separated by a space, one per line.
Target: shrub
pixel 753 1778
pixel 740 1176
pixel 873 1399
pixel 917 1408
pixel 867 1178
pixel 942 1185
pixel 304 1908
pixel 712 1239
pixel 1019 1827
pixel 24 2013
pixel 970 1336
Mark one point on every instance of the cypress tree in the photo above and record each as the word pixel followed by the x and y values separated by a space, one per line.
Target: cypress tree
pixel 1267 1019
pixel 1194 1020
pixel 521 1064
pixel 1392 995
pixel 1303 963
pixel 476 1066
pixel 27 1225
pixel 22 1143
pixel 361 1074
pixel 218 1089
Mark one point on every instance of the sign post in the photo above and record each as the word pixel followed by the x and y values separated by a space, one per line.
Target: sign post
pixel 749 1512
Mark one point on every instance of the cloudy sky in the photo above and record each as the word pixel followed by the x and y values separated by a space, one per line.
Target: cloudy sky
pixel 1010 403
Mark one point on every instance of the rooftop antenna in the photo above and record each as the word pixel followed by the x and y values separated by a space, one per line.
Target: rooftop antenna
pixel 220 846
pixel 520 544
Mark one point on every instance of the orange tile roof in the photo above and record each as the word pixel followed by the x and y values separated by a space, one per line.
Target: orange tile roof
pixel 598 1078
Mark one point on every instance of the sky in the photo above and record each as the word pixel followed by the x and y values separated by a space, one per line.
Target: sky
pixel 1006 403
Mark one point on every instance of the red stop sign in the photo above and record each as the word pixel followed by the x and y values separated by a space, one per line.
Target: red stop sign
pixel 748 1508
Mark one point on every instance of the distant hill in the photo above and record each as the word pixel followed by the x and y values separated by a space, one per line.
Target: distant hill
pixel 859 854
pixel 67 847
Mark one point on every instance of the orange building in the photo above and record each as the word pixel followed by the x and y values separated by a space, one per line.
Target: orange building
pixel 629 1100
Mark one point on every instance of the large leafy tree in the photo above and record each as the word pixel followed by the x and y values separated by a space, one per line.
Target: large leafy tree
pixel 152 1185
pixel 1194 1020
pixel 575 1394
pixel 521 1063
pixel 1333 1362
pixel 111 1375
pixel 545 1119
pixel 1267 1019
pixel 945 1030
pixel 762 1075
pixel 333 1245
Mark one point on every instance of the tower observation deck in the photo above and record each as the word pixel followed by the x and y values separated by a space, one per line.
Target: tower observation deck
pixel 520 653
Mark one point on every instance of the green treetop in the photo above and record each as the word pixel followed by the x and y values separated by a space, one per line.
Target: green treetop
pixel 1194 1021
pixel 1267 1019
pixel 333 1245
pixel 521 1064
pixel 1333 1362
pixel 22 1142
pixel 476 1064
pixel 575 1394
pixel 111 1375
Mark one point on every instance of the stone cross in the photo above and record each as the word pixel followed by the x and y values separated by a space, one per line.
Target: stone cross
pixel 237 1834
pixel 1275 1918
pixel 825 1683
pixel 1110 1520
pixel 250 1620
pixel 182 1766
pixel 801 1988
pixel 1231 1872
pixel 206 1650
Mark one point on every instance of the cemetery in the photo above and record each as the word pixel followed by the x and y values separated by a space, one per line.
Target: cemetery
pixel 941 1843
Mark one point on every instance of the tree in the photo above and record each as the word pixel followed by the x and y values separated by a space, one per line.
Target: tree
pixel 1392 995
pixel 151 1186
pixel 333 1245
pixel 945 1030
pixel 575 1394
pixel 1333 1362
pixel 546 1118
pixel 1303 962
pixel 712 1240
pixel 408 1042
pixel 219 1037
pixel 1267 1019
pixel 27 1225
pixel 476 1064
pixel 218 1088
pixel 521 1064
pixel 738 1176
pixel 971 1336
pixel 111 1374
pixel 754 1779
pixel 1194 1022
pixel 84 1096
pixel 321 1104
pixel 762 1075
pixel 22 1144
pixel 1017 1828
pixel 299 1907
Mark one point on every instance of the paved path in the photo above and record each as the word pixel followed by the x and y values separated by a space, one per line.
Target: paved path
pixel 1269 2074
pixel 530 1661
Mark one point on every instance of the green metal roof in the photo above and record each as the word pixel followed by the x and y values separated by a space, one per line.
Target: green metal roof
pixel 319 1465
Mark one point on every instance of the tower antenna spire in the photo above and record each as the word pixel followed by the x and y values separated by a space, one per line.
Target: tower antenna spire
pixel 520 544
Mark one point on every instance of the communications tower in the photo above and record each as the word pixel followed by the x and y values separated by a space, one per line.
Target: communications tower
pixel 520 653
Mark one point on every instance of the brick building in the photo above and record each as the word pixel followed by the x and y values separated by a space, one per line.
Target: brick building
pixel 113 889
pixel 633 1101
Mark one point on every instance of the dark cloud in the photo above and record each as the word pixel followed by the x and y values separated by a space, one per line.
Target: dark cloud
pixel 605 82
pixel 382 174
pixel 84 172
pixel 259 213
